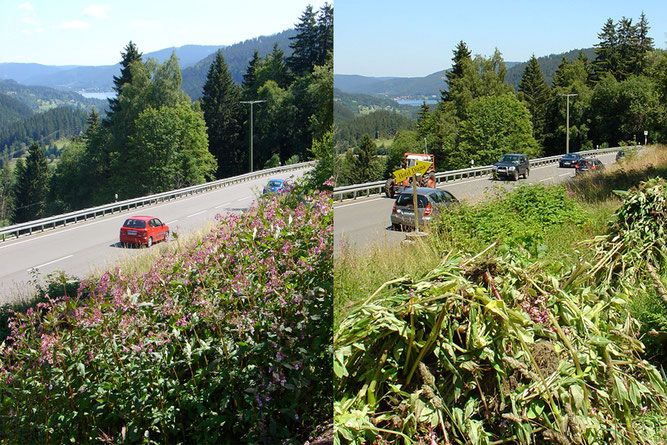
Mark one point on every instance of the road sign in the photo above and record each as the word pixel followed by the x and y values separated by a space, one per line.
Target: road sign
pixel 418 169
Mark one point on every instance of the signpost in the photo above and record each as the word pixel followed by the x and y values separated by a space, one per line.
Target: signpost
pixel 401 175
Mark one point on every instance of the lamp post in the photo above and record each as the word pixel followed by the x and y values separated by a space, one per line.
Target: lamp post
pixel 251 102
pixel 567 124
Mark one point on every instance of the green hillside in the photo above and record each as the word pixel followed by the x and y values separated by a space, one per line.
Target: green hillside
pixel 237 57
pixel 12 110
pixel 39 98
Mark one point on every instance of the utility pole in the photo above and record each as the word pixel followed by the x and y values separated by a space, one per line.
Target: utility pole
pixel 251 102
pixel 567 124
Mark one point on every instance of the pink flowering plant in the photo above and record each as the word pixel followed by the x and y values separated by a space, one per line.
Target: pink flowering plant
pixel 225 340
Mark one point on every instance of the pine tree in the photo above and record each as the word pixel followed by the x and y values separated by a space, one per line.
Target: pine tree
pixel 304 45
pixel 31 186
pixel 461 53
pixel 606 51
pixel 534 92
pixel 220 103
pixel 423 125
pixel 130 56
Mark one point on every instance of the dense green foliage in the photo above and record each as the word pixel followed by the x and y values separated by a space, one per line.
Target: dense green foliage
pixel 12 110
pixel 30 187
pixel 510 345
pixel 227 340
pixel 379 124
pixel 236 57
pixel 42 128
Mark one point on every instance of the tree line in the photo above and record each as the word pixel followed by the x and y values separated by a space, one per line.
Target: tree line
pixel 613 100
pixel 154 138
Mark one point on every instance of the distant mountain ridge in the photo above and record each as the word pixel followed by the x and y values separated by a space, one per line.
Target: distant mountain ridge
pixel 430 86
pixel 195 58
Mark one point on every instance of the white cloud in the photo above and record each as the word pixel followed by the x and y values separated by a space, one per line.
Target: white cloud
pixel 97 11
pixel 74 24
pixel 27 6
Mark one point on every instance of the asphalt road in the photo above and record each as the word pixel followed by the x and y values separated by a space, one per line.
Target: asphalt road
pixel 91 246
pixel 364 223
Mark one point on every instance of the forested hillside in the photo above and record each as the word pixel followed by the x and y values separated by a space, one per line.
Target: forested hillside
pixel 379 125
pixel 12 110
pixel 39 98
pixel 43 128
pixel 366 103
pixel 237 57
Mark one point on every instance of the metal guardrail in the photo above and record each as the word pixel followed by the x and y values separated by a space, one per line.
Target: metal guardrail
pixel 377 187
pixel 52 222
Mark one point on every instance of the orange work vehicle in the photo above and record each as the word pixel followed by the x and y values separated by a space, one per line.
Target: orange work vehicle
pixel 410 160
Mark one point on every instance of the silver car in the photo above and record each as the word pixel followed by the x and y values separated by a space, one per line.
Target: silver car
pixel 430 202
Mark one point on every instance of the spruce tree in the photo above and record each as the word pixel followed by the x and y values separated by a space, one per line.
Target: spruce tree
pixel 534 92
pixel 325 28
pixel 304 44
pixel 221 105
pixel 461 53
pixel 31 186
pixel 130 56
pixel 248 83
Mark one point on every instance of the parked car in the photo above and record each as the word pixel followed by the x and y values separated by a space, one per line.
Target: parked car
pixel 274 186
pixel 430 202
pixel 569 160
pixel 143 230
pixel 588 165
pixel 620 154
pixel 512 165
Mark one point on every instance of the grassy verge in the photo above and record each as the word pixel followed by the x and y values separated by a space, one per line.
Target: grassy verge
pixel 537 317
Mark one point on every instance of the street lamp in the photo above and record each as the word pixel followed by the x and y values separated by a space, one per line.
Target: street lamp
pixel 251 102
pixel 567 143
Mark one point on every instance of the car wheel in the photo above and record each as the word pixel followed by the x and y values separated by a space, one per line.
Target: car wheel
pixel 150 242
pixel 516 175
pixel 525 175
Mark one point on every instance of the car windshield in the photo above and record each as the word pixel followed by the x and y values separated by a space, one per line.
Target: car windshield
pixel 135 224
pixel 510 159
pixel 405 199
pixel 275 183
pixel 572 156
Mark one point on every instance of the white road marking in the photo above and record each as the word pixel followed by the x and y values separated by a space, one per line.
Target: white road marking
pixel 355 203
pixel 50 262
pixel 222 205
pixel 564 174
pixel 171 222
pixel 546 179
pixel 244 199
pixel 198 213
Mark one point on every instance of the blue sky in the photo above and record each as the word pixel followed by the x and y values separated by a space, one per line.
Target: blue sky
pixel 405 39
pixel 85 32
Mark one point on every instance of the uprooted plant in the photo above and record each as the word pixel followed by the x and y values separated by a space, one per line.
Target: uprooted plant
pixel 497 349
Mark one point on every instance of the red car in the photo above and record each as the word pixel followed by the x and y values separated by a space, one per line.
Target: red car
pixel 143 230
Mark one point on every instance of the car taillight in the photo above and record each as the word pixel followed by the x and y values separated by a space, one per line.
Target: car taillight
pixel 428 210
pixel 394 209
pixel 576 165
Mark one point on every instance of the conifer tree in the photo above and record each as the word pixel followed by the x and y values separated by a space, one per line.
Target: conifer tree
pixel 248 83
pixel 461 53
pixel 304 45
pixel 324 47
pixel 31 186
pixel 130 56
pixel 534 92
pixel 220 103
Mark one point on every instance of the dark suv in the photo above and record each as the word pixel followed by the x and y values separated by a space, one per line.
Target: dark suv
pixel 512 166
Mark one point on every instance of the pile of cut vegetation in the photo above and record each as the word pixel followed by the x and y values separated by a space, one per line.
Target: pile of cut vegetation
pixel 227 340
pixel 496 349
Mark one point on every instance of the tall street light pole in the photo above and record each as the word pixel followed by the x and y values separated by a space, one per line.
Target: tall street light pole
pixel 567 125
pixel 251 102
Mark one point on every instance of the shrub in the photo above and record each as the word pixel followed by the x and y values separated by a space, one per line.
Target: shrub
pixel 228 339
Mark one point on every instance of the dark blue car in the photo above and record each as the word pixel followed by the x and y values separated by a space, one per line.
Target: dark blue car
pixel 274 186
